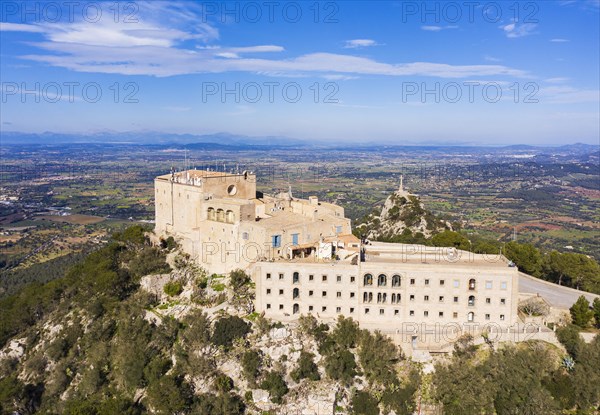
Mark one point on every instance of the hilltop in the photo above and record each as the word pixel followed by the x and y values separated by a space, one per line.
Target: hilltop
pixel 403 218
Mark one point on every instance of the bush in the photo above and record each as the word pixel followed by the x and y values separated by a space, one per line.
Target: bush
pixel 307 369
pixel 238 278
pixel 227 329
pixel 251 363
pixel 276 386
pixel 364 404
pixel 173 288
pixel 569 337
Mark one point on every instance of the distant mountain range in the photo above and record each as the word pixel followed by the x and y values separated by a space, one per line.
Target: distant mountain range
pixel 221 140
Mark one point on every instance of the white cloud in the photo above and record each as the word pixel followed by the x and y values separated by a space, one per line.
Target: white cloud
pixel 491 59
pixel 359 43
pixel 567 95
pixel 559 40
pixel 18 27
pixel 150 47
pixel 558 80
pixel 516 30
pixel 437 28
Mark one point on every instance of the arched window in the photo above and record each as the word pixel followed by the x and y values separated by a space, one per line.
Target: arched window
pixel 381 280
pixel 396 281
pixel 296 309
pixel 296 278
pixel 365 297
pixel 229 217
pixel 471 300
pixel 370 297
pixel 368 280
pixel 471 317
pixel 220 215
pixel 379 297
pixel 472 284
pixel 296 293
pixel 211 214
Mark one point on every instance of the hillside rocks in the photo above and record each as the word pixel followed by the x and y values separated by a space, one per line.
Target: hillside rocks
pixel 402 215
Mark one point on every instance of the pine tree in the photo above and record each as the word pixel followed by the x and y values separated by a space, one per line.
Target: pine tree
pixel 580 312
pixel 596 308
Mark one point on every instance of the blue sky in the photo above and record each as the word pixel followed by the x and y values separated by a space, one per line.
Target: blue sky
pixel 349 71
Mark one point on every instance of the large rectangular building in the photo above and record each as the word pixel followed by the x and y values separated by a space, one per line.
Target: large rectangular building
pixel 304 259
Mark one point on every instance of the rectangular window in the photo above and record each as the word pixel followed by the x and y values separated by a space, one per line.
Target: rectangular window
pixel 456 299
pixel 441 314
pixel 280 276
pixel 324 278
pixel 276 241
pixel 311 277
pixel 324 293
pixel 456 283
pixel 339 294
pixel 351 295
pixel 338 309
pixel 381 311
pixel 310 293
pixel 412 281
pixel 268 291
pixel 351 310
pixel 396 312
pixel 268 306
pixel 442 282
pixel 441 298
pixel 411 313
pixel 488 300
pixel 488 285
pixel 502 317
pixel 366 311
pixel 487 316
pixel 268 276
pixel 338 278
pixel 281 306
pixel 425 313
pixel 503 301
pixel 324 308
pixel 426 298
pixel 426 281
pixel 455 315
pixel 338 229
pixel 412 297
pixel 294 239
pixel 310 308
pixel 503 285
pixel 352 279
pixel 280 292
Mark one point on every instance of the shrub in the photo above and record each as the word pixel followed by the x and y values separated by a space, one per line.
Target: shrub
pixel 307 369
pixel 364 404
pixel 173 288
pixel 227 329
pixel 276 386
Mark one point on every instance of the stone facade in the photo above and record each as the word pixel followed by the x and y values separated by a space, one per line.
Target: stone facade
pixel 303 258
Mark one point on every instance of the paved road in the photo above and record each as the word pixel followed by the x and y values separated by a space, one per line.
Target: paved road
pixel 558 296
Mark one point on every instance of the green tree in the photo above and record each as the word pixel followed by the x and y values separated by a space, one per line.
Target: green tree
pixel 341 365
pixel 569 337
pixel 346 332
pixel 451 239
pixel 274 383
pixel 238 278
pixel 307 369
pixel 596 307
pixel 378 356
pixel 363 403
pixel 526 256
pixel 580 312
pixel 227 329
pixel 251 363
